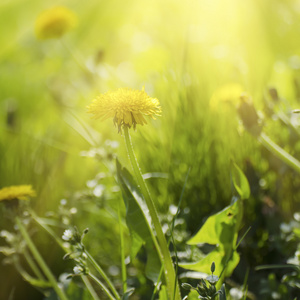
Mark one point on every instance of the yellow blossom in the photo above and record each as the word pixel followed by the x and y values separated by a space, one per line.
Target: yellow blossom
pixel 226 94
pixel 54 22
pixel 19 192
pixel 126 107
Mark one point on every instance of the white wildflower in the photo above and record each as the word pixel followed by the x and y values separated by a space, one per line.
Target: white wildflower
pixel 68 235
pixel 77 270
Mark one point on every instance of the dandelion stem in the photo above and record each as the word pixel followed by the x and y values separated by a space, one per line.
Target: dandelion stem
pixel 102 286
pixel 124 277
pixel 102 273
pixel 169 268
pixel 279 152
pixel 40 261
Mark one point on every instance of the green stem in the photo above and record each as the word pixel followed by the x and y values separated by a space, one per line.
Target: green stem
pixel 157 282
pixel 58 240
pixel 124 276
pixel 40 261
pixel 39 221
pixel 89 287
pixel 110 296
pixel 169 269
pixel 33 265
pixel 279 152
pixel 102 273
pixel 33 281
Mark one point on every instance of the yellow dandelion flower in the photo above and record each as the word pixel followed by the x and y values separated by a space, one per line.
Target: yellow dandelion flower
pixel 226 94
pixel 54 22
pixel 19 192
pixel 126 106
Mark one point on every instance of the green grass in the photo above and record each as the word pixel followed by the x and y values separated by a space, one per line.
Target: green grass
pixel 182 53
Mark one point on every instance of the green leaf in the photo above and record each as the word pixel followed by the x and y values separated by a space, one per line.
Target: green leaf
pixel 223 293
pixel 240 182
pixel 74 292
pixel 219 257
pixel 127 294
pixel 193 295
pixel 220 229
pixel 163 294
pixel 138 222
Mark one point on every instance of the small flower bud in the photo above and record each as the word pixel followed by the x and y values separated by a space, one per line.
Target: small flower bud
pixel 67 256
pixel 249 115
pixel 273 93
pixel 78 269
pixel 70 276
pixel 212 267
pixel 186 286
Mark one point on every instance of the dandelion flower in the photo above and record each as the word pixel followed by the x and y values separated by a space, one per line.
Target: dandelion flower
pixel 19 192
pixel 54 22
pixel 126 106
pixel 226 94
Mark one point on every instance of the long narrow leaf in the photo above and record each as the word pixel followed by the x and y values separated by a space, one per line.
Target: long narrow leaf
pixel 138 222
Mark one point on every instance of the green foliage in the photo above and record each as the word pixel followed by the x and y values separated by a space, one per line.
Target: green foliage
pixel 240 182
pixel 193 295
pixel 223 293
pixel 201 48
pixel 75 293
pixel 163 295
pixel 127 294
pixel 206 288
pixel 138 222
pixel 221 230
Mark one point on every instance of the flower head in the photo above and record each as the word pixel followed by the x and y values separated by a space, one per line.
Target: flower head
pixel 78 269
pixel 54 22
pixel 19 192
pixel 127 107
pixel 226 94
pixel 68 235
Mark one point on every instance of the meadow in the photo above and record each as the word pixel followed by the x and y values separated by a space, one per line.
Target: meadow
pixel 149 149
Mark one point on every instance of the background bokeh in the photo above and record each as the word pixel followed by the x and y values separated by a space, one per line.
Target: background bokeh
pixel 196 57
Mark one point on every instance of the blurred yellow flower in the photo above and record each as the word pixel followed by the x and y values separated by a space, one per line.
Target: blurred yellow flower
pixel 19 192
pixel 54 22
pixel 228 93
pixel 127 107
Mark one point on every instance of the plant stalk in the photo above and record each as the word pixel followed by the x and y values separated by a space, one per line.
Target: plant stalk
pixel 110 296
pixel 59 242
pixel 102 273
pixel 169 268
pixel 33 265
pixel 279 152
pixel 124 276
pixel 40 261
pixel 89 287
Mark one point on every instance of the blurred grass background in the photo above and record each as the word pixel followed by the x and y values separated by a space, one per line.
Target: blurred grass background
pixel 193 56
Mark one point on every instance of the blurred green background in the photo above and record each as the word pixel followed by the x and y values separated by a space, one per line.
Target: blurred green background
pixel 196 57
